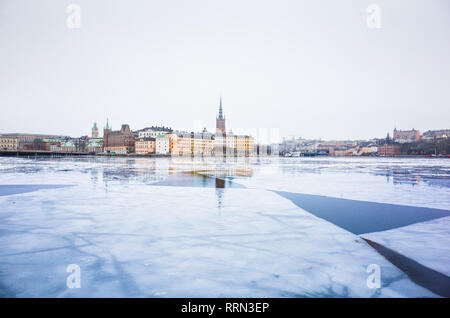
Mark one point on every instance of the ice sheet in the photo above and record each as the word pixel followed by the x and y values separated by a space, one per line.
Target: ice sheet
pixel 165 241
pixel 132 238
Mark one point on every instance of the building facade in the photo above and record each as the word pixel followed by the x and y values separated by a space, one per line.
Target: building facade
pixel 162 144
pixel 153 131
pixel 436 134
pixel 9 143
pixel 145 145
pixel 406 135
pixel 389 150
pixel 181 143
pixel 94 145
pixel 68 146
pixel 119 141
pixel 27 141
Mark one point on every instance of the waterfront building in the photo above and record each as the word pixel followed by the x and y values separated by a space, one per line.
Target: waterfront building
pixel 153 131
pixel 162 144
pixel 94 145
pixel 389 150
pixel 207 143
pixel 9 143
pixel 326 148
pixel 436 134
pixel 230 144
pixel 145 145
pixel 52 144
pixel 403 136
pixel 368 150
pixel 79 143
pixel 172 141
pixel 243 145
pixel 220 142
pixel 202 143
pixel 119 141
pixel 67 146
pixel 191 143
pixel 181 143
pixel 55 148
pixel 26 141
pixel 37 144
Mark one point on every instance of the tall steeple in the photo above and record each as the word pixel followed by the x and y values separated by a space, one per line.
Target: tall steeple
pixel 220 120
pixel 107 124
pixel 220 109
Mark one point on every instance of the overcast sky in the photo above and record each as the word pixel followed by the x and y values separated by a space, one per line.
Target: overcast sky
pixel 309 68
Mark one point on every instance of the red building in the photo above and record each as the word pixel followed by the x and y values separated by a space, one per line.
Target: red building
pixel 389 150
pixel 118 141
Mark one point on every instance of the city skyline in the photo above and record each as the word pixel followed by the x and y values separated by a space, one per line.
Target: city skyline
pixel 216 157
pixel 308 71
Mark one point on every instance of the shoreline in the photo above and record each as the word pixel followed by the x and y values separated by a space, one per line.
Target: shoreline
pixel 43 153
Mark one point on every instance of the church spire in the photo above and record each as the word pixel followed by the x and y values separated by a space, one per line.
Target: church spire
pixel 107 124
pixel 220 120
pixel 220 108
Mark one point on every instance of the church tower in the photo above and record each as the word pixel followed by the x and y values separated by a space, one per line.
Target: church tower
pixel 95 131
pixel 220 121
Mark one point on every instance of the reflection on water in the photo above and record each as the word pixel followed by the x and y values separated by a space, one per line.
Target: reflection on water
pixel 303 175
pixel 220 196
pixel 434 172
pixel 205 179
pixel 193 179
pixel 370 178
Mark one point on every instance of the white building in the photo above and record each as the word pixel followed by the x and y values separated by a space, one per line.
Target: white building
pixel 153 132
pixel 162 144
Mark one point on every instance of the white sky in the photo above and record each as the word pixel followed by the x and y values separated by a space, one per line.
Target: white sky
pixel 309 68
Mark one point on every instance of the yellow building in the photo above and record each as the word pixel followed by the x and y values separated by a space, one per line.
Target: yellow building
pixel 244 145
pixel 9 143
pixel 144 145
pixel 234 145
pixel 196 144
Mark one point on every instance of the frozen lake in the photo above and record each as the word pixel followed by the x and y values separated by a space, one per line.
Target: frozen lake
pixel 269 227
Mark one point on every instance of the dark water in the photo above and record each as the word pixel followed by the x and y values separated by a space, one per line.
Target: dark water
pixel 361 217
pixel 8 189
